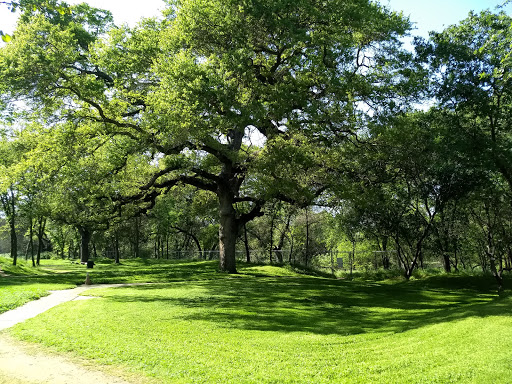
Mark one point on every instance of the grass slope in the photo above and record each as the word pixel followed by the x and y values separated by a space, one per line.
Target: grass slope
pixel 25 283
pixel 270 325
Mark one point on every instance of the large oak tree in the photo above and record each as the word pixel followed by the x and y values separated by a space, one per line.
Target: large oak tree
pixel 245 99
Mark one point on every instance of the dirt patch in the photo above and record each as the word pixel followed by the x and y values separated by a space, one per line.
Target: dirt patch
pixel 22 363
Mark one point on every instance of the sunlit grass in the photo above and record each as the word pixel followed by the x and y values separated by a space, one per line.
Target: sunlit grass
pixel 269 325
pixel 26 283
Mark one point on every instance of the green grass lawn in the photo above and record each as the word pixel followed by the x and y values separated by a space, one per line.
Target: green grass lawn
pixel 271 325
pixel 26 283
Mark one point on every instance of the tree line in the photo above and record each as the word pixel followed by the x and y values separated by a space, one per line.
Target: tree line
pixel 227 125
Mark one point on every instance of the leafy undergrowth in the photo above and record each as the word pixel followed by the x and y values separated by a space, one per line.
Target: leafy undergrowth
pixel 261 327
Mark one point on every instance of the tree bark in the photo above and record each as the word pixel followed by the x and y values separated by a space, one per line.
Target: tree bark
pixel 385 256
pixel 9 205
pixel 85 238
pixel 188 235
pixel 14 239
pixel 279 248
pixel 497 274
pixel 446 262
pixel 167 246
pixel 116 250
pixel 271 245
pixel 40 233
pixel 228 231
pixel 136 249
pixel 31 241
pixel 307 239
pixel 246 242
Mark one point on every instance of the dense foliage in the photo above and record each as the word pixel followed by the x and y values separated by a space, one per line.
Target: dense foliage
pixel 280 131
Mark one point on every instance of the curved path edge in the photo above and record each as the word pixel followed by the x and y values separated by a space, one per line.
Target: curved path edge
pixel 36 307
pixel 25 365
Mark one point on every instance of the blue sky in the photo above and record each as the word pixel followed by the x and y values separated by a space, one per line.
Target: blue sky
pixel 436 15
pixel 427 14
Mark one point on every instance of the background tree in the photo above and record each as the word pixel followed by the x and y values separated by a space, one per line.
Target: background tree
pixel 10 154
pixel 472 79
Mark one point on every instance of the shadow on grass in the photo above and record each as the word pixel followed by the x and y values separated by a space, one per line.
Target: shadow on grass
pixel 323 306
pixel 105 271
pixel 291 304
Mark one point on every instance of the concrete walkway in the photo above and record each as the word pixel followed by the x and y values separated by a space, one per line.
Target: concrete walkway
pixel 23 364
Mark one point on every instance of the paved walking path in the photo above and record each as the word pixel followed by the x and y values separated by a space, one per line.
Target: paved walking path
pixel 24 365
pixel 36 307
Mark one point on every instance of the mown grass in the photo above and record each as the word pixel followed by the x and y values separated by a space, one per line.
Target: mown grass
pixel 25 283
pixel 270 325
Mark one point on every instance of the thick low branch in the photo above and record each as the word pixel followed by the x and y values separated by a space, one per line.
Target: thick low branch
pixel 198 183
pixel 212 151
pixel 256 211
pixel 206 175
pixel 99 74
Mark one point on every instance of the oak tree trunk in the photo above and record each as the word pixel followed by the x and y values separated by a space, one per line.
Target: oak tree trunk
pixel 85 238
pixel 228 231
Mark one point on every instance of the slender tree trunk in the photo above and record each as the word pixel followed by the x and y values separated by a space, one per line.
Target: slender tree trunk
pixel 85 238
pixel 352 257
pixel 228 230
pixel 385 256
pixel 136 249
pixel 8 201
pixel 167 246
pixel 197 242
pixel 307 238
pixel 271 245
pixel 291 259
pixel 446 262
pixel 246 242
pixel 116 250
pixel 31 241
pixel 12 224
pixel 40 233
pixel 279 248
pixel 497 274
pixel 14 240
